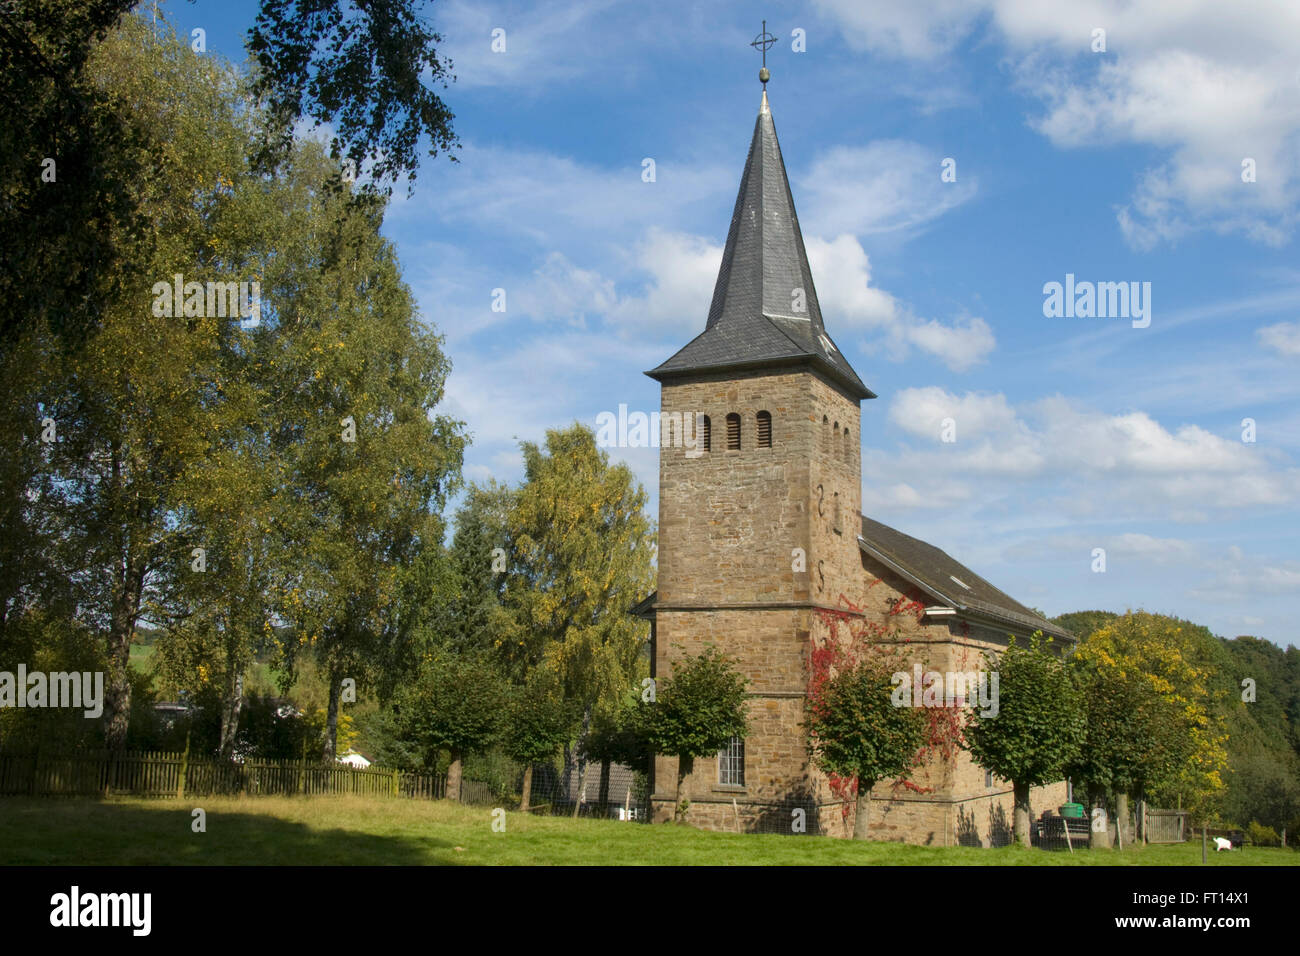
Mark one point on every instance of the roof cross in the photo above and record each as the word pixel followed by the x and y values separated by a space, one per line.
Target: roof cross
pixel 763 42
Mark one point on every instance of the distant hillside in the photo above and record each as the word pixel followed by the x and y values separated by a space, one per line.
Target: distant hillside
pixel 1083 623
pixel 1263 734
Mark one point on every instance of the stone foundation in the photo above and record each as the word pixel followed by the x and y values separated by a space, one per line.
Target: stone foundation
pixel 920 819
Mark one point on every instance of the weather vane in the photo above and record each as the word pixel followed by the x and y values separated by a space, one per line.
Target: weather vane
pixel 763 42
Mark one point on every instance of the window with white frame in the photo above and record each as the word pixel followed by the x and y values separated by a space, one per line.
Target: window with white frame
pixel 731 764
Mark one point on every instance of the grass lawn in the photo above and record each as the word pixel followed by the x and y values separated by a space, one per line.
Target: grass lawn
pixel 351 830
pixel 141 657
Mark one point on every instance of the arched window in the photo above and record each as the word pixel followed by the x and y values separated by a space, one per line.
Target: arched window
pixel 733 432
pixel 764 429
pixel 826 435
pixel 708 434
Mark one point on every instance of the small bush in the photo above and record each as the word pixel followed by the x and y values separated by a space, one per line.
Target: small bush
pixel 1259 835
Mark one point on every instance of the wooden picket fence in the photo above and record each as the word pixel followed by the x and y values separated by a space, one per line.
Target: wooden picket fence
pixel 94 773
pixel 1165 826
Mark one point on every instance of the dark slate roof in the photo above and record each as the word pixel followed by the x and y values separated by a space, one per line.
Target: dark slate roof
pixel 933 571
pixel 752 321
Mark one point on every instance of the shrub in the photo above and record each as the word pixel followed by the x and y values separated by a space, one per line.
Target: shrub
pixel 1259 835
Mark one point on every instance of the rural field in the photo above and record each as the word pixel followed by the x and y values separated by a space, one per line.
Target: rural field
pixel 351 830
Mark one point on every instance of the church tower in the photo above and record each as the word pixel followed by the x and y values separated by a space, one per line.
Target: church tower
pixel 764 553
pixel 759 517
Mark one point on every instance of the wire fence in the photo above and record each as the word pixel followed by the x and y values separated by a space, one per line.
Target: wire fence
pixel 591 790
pixel 603 791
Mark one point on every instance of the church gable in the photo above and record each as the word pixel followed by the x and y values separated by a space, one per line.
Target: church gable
pixel 947 582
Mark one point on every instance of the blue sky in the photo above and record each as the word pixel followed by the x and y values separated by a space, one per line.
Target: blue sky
pixel 1123 165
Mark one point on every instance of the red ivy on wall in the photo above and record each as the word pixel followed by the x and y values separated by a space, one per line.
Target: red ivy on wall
pixel 844 648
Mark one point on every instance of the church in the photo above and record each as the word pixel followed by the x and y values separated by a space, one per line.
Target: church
pixel 765 555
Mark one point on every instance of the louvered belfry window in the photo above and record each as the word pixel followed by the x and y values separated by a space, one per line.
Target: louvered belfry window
pixel 733 432
pixel 764 429
pixel 708 434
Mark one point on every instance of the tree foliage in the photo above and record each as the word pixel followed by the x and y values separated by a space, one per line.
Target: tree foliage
pixel 1186 667
pixel 1039 726
pixel 1083 623
pixel 69 245
pixel 858 732
pixel 696 712
pixel 1136 739
pixel 456 703
pixel 475 615
pixel 361 68
pixel 199 476
pixel 538 721
pixel 580 553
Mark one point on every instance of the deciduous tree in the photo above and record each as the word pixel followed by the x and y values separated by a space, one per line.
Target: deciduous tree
pixel 696 712
pixel 858 732
pixel 456 703
pixel 1039 726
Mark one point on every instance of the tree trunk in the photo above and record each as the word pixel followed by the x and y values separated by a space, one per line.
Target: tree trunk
pixel 1121 817
pixel 582 761
pixel 332 720
pixel 117 695
pixel 1021 814
pixel 582 787
pixel 603 799
pixel 1096 839
pixel 861 815
pixel 453 776
pixel 230 710
pixel 568 768
pixel 684 767
pixel 528 789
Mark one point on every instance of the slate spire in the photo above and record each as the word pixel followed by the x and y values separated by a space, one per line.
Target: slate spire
pixel 765 309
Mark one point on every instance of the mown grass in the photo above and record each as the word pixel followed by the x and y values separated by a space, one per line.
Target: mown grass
pixel 353 830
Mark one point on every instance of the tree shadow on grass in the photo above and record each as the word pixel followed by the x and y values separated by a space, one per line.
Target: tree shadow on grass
pixel 80 832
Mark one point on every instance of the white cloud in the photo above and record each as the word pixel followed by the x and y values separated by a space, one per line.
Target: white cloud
pixel 921 411
pixel 1061 457
pixel 961 345
pixel 1283 337
pixel 918 29
pixel 1209 84
pixel 1130 548
pixel 842 272
pixel 559 290
pixel 1240 579
pixel 553 200
pixel 885 186
pixel 534 40
pixel 682 270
